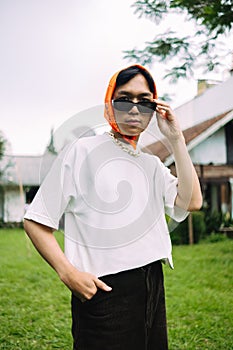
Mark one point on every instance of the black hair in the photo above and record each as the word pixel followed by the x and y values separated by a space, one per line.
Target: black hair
pixel 129 73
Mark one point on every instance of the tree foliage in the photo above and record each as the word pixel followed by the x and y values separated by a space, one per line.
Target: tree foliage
pixel 2 152
pixel 212 19
pixel 2 146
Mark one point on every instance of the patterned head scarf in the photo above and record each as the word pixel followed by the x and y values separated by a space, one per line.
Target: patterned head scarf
pixel 109 111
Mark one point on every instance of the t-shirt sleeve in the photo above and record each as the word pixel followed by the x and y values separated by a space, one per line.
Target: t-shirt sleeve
pixel 170 183
pixel 55 192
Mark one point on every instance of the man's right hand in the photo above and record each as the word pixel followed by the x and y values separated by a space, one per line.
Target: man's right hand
pixel 84 285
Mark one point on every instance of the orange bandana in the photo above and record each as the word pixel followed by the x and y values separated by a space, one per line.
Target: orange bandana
pixel 109 112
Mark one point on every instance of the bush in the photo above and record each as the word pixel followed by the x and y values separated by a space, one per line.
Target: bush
pixel 215 237
pixel 180 235
pixel 213 222
pixel 227 220
pixel 11 224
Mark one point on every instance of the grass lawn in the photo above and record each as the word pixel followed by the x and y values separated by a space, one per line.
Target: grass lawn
pixel 35 306
pixel 200 297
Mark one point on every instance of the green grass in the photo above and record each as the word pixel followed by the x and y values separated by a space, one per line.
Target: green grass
pixel 199 297
pixel 35 305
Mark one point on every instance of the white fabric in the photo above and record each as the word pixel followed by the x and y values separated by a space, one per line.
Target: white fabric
pixel 114 206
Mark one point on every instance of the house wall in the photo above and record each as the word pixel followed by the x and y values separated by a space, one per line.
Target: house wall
pixel 13 205
pixel 212 150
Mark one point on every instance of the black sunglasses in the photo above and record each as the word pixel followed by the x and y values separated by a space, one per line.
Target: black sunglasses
pixel 126 106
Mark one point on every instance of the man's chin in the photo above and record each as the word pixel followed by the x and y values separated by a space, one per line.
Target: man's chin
pixel 132 131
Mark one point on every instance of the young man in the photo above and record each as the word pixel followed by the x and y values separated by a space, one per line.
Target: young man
pixel 115 199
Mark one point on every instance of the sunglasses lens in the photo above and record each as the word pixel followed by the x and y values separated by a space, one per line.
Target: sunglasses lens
pixel 123 106
pixel 147 107
pixel 126 106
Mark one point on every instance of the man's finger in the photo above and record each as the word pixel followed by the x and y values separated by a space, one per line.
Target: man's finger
pixel 100 284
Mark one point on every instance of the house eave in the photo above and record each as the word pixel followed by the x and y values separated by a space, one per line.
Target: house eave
pixel 204 135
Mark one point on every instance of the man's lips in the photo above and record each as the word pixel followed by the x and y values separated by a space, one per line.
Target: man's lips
pixel 133 122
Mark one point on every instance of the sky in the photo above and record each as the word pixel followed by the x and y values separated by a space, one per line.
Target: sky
pixel 57 57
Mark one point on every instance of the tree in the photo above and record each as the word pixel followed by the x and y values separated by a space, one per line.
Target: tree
pixel 51 148
pixel 2 146
pixel 213 19
pixel 2 151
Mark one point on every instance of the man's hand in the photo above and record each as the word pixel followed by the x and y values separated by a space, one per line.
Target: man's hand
pixel 167 121
pixel 83 284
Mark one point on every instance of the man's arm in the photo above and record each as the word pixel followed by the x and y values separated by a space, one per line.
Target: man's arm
pixel 189 195
pixel 84 285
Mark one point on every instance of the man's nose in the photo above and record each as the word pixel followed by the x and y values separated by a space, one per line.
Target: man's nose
pixel 134 109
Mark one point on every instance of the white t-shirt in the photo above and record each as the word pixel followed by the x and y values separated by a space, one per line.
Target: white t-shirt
pixel 114 206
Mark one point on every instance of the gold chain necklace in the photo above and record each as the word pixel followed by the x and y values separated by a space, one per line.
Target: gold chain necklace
pixel 123 147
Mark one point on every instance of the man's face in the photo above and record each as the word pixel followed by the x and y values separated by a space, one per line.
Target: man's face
pixel 133 122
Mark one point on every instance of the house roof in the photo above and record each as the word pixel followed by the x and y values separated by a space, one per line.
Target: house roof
pixel 213 102
pixel 21 170
pixel 193 136
pixel 25 170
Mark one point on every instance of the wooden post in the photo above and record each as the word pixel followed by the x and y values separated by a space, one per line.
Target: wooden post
pixel 224 201
pixel 190 228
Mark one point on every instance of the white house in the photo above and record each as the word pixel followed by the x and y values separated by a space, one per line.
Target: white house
pixel 207 123
pixel 20 177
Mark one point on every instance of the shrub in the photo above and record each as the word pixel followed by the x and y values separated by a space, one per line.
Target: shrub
pixel 180 235
pixel 11 224
pixel 213 221
pixel 215 237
